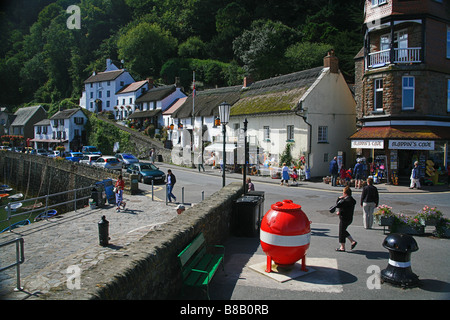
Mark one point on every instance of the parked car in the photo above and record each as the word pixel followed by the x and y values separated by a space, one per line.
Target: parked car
pixel 147 172
pixel 73 156
pixel 108 162
pixel 90 150
pixel 89 158
pixel 42 152
pixel 54 154
pixel 127 159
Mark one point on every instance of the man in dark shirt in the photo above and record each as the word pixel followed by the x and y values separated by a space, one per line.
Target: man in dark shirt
pixel 369 201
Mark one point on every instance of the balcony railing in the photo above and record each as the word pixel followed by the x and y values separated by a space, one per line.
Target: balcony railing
pixel 401 55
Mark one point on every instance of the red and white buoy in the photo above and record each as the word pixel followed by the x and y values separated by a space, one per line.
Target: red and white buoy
pixel 285 235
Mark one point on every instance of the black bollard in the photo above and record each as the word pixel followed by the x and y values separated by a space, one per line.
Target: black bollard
pixel 103 231
pixel 398 271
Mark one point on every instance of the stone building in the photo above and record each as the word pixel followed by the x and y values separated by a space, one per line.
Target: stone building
pixel 402 89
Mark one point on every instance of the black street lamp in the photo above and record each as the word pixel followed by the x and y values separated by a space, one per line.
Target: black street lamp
pixel 224 114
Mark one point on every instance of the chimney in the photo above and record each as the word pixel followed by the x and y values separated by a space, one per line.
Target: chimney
pixel 150 82
pixel 332 62
pixel 247 81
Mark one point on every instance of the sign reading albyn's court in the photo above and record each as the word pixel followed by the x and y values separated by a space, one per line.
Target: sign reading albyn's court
pixel 411 144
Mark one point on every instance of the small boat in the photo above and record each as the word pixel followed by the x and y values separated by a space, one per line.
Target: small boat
pixel 16 196
pixel 50 213
pixel 33 206
pixel 16 205
pixel 3 195
pixel 5 188
pixel 17 225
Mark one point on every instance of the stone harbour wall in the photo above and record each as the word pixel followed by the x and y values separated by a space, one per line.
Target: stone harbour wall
pixel 149 268
pixel 35 175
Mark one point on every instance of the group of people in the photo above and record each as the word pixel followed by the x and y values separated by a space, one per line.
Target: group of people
pixel 346 175
pixel 345 205
pixel 286 175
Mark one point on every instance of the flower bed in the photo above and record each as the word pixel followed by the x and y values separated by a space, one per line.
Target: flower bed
pixel 414 225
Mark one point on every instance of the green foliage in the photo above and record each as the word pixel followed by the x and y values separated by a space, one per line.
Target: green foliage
pixel 306 55
pixel 286 156
pixel 41 60
pixel 103 135
pixel 145 48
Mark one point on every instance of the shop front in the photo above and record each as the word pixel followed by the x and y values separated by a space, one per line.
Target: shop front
pixel 390 152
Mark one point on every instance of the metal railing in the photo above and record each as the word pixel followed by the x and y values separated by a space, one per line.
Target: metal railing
pixel 20 258
pixel 401 55
pixel 10 211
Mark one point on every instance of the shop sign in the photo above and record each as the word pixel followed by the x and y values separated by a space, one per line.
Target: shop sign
pixel 368 144
pixel 411 144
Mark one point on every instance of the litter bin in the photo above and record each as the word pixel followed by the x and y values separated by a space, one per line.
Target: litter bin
pixel 246 215
pixel 97 196
pixel 107 185
pixel 134 184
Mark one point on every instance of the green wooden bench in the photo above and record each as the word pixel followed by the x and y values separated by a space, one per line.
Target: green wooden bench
pixel 198 265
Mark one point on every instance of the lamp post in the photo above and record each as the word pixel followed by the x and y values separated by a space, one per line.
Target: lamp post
pixel 244 172
pixel 224 114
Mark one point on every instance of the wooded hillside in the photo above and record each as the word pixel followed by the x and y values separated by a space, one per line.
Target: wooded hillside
pixel 44 61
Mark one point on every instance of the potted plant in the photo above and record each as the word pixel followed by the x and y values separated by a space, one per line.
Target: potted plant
pixel 442 228
pixel 409 225
pixel 384 215
pixel 429 216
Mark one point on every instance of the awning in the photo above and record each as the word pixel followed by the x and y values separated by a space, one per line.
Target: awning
pixel 49 140
pixel 402 132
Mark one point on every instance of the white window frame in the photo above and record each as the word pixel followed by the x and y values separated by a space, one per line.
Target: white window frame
pixel 322 134
pixel 290 133
pixel 377 90
pixel 266 130
pixel 378 2
pixel 448 95
pixel 408 89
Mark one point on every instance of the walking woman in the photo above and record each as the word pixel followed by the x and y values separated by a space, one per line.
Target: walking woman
pixel 346 207
pixel 285 174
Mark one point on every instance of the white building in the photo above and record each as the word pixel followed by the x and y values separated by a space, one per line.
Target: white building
pixel 126 99
pixel 65 128
pixel 312 110
pixel 100 89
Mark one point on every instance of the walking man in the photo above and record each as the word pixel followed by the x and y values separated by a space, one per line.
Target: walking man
pixel 369 201
pixel 171 180
pixel 334 171
pixel 415 176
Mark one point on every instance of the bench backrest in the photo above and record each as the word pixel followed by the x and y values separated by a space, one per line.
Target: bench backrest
pixel 192 254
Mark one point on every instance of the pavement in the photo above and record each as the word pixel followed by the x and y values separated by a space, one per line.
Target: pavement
pixel 51 246
pixel 350 275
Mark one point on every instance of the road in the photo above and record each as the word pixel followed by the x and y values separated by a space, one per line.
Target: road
pixel 315 202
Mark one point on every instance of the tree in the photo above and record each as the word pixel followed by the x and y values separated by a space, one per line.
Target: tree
pixel 261 48
pixel 194 47
pixel 306 55
pixel 145 48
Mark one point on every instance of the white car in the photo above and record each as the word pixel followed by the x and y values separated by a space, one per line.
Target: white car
pixel 89 158
pixel 108 162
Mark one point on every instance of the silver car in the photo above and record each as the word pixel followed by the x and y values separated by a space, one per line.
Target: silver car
pixel 127 159
pixel 89 158
pixel 108 162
